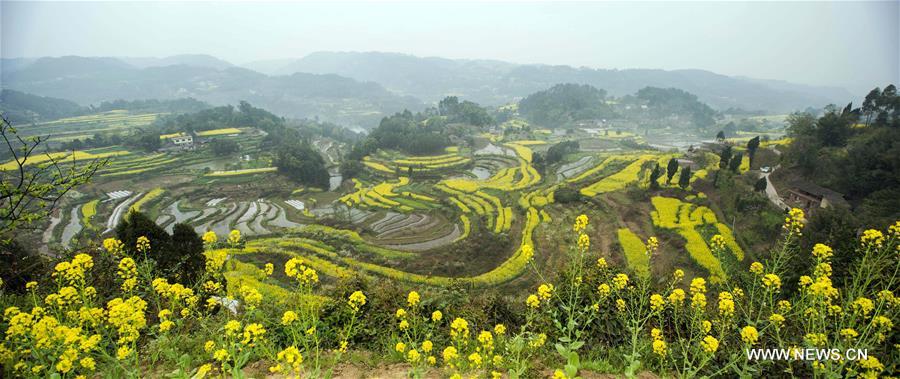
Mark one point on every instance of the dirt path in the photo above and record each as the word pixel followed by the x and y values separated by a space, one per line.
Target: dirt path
pixel 771 192
pixel 120 211
pixel 55 219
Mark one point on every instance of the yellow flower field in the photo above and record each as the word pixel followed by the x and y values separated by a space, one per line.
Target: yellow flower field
pixel 247 171
pixel 218 132
pixel 64 157
pixel 635 252
pixel 148 197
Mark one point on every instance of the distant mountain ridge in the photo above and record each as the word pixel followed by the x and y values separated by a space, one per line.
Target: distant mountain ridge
pixel 87 80
pixel 496 82
pixel 359 88
pixel 196 60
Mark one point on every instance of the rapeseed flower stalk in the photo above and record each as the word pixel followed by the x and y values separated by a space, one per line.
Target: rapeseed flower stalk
pixel 234 238
pixel 210 238
pixel 128 273
pixel 143 245
pixel 113 246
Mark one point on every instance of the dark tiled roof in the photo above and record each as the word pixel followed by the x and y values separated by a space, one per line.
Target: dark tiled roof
pixel 833 197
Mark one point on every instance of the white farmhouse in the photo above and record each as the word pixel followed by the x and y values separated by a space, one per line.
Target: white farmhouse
pixel 183 141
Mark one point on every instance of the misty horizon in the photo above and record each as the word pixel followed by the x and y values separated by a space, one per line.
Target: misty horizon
pixel 791 42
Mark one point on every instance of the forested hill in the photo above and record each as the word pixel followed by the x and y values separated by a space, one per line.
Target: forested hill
pixel 855 151
pixel 94 80
pixel 565 103
pixel 666 101
pixel 19 107
pixel 494 82
pixel 24 108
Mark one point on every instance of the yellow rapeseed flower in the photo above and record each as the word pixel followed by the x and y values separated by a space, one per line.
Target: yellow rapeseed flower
pixel 620 281
pixel 756 268
pixel 584 242
pixel 412 299
pixel 771 281
pixel 413 356
pixel 113 246
pixel 821 251
pixel 357 300
pixel 545 291
pixel 253 333
pixel 581 223
pixel 717 243
pixel 288 317
pixel 459 327
pixel 863 305
pixel 698 301
pixel 449 354
pixel 698 285
pixel 776 319
pixel 709 344
pixel 604 290
pixel 143 244
pixel 657 303
pixel 749 335
pixel 872 238
pixel 210 237
pixel 659 347
pixel 795 221
pixel 849 333
pixel 234 237
pixel 676 298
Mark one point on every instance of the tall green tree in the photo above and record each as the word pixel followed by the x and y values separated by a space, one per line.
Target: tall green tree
pixel 725 157
pixel 752 146
pixel 724 160
pixel 654 176
pixel 685 179
pixel 671 168
pixel 178 256
pixel 761 185
pixel 735 164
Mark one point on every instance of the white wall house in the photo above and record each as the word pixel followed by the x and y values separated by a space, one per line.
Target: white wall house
pixel 183 140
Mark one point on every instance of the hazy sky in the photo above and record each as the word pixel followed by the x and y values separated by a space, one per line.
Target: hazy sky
pixel 851 44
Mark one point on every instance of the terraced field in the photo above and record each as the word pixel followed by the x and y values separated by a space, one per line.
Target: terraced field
pixel 86 126
pixel 67 157
pixel 414 232
pixel 687 219
pixel 338 253
pixel 389 219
